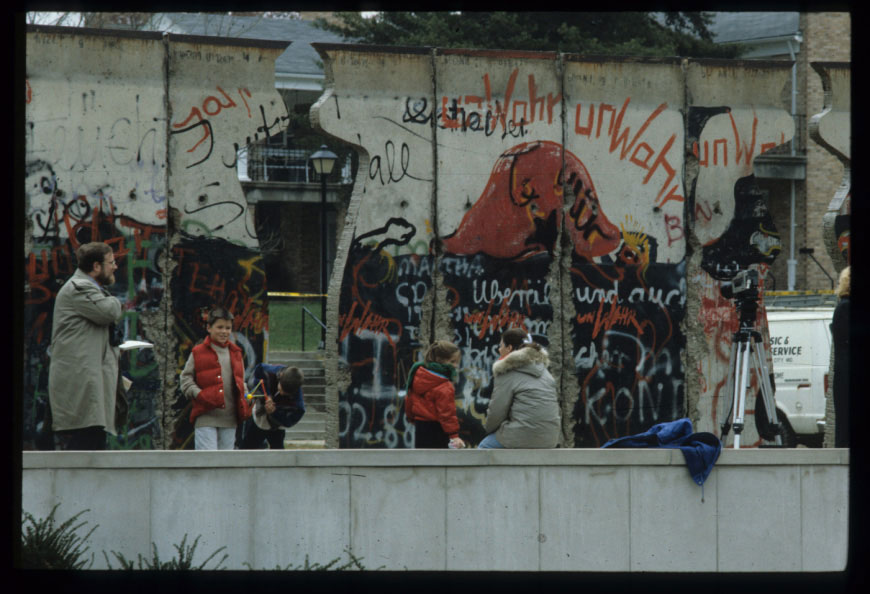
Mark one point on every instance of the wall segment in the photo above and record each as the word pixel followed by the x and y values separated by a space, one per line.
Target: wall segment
pixel 735 114
pixel 131 139
pixel 555 192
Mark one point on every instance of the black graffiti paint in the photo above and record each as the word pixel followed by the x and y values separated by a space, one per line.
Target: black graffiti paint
pixel 751 236
pixel 380 313
pixel 212 272
pixel 418 111
pixel 487 296
pixel 626 343
pixel 393 166
pixel 139 287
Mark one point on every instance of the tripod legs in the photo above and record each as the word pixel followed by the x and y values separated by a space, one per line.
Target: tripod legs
pixel 745 351
pixel 767 394
pixel 741 367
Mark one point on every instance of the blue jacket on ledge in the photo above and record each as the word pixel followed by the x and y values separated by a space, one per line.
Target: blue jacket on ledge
pixel 701 450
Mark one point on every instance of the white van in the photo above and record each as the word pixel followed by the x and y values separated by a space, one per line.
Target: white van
pixel 800 346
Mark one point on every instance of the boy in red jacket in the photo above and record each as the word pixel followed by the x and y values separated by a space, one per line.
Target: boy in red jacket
pixel 431 399
pixel 214 378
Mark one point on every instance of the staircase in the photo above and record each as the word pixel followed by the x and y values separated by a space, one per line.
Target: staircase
pixel 310 431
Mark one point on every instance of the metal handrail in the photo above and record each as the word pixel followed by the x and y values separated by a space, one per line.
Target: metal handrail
pixel 305 310
pixel 274 163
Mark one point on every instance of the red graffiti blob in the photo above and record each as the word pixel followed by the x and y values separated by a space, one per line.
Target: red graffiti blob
pixel 518 213
pixel 520 210
pixel 592 234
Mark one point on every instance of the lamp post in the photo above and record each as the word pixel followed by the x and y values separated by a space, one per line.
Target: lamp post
pixel 323 161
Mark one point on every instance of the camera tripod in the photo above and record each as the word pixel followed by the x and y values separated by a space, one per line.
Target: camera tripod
pixel 745 352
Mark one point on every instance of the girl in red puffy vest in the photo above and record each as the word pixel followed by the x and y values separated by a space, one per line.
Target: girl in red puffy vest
pixel 214 378
pixel 431 398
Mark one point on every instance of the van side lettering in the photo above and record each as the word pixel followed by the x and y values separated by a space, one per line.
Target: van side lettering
pixel 785 350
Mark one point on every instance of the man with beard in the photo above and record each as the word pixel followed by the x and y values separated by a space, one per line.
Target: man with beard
pixel 83 374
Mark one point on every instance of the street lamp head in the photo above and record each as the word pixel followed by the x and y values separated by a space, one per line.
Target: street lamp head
pixel 323 160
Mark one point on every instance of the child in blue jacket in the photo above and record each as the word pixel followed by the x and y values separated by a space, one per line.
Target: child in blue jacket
pixel 279 409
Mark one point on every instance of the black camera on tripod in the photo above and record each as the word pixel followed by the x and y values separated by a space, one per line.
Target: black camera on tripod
pixel 742 286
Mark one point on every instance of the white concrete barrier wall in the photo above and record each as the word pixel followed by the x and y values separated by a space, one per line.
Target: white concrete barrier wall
pixel 554 510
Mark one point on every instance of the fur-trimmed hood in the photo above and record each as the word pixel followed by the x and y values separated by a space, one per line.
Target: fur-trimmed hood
pixel 527 360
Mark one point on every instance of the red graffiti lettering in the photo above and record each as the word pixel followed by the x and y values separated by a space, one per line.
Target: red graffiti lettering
pixel 661 160
pixel 212 106
pixel 587 129
pixel 500 112
pixel 638 152
pixel 253 316
pixel 672 223
pixel 245 101
pixel 702 207
pixel 37 274
pixel 671 195
pixel 724 144
pixel 701 161
pixel 601 109
pixel 505 318
pixel 617 136
pixel 618 315
pixel 740 148
pixel 742 152
pixel 368 320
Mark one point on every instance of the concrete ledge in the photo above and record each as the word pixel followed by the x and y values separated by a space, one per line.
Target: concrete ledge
pixel 448 458
pixel 630 510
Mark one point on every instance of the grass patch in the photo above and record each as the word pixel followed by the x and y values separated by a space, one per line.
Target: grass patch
pixel 286 321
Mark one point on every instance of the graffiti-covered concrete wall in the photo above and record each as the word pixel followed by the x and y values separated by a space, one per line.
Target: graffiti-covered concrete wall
pixel 132 139
pixel 598 203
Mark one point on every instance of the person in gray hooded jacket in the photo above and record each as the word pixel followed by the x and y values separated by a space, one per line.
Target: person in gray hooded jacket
pixel 524 409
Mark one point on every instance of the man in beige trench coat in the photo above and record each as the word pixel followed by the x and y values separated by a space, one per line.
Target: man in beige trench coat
pixel 83 374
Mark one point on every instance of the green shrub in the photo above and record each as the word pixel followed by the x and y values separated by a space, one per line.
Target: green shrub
pixel 47 546
pixel 354 562
pixel 184 561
